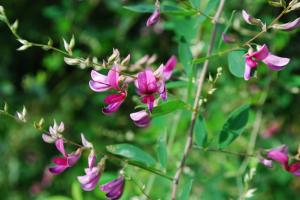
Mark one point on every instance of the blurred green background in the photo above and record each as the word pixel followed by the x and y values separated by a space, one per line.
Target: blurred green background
pixel 49 88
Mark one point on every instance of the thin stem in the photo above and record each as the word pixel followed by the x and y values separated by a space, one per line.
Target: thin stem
pixel 141 188
pixel 152 170
pixel 225 152
pixel 201 78
pixel 50 47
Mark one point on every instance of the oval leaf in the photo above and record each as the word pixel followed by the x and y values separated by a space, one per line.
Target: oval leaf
pixel 131 153
pixel 161 151
pixel 236 63
pixel 234 126
pixel 168 107
pixel 200 132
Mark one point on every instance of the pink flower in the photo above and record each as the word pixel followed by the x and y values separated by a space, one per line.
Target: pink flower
pixel 154 18
pixel 141 118
pixel 275 63
pixel 150 83
pixel 54 132
pixel 251 20
pixel 279 154
pixel 288 26
pixel 68 160
pixel 114 102
pixel 100 83
pixel 114 189
pixel 294 168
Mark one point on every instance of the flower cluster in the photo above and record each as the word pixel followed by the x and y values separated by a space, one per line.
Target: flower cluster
pixel 280 155
pixel 89 181
pixel 150 86
pixel 263 54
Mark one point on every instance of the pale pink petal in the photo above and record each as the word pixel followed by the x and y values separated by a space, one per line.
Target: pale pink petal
pixel 266 162
pixel 99 87
pixel 247 73
pixel 47 138
pixel 251 20
pixel 113 77
pixel 59 143
pixel 98 77
pixel 169 67
pixel 288 26
pixel 276 63
pixel 154 18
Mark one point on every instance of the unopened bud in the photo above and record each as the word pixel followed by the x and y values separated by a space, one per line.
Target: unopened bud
pixel 72 61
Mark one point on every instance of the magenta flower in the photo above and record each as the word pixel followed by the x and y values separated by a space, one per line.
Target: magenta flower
pixel 154 18
pixel 275 63
pixel 251 20
pixel 68 160
pixel 288 26
pixel 294 168
pixel 150 83
pixel 114 189
pixel 54 132
pixel 279 154
pixel 100 83
pixel 114 102
pixel 141 118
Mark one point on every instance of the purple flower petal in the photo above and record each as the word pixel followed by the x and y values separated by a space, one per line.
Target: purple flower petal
pixel 280 155
pixel 98 87
pixel 60 146
pixel 60 161
pixel 98 77
pixel 154 18
pixel 266 162
pixel 47 138
pixel 141 118
pixel 251 20
pixel 169 67
pixel 114 101
pixel 294 169
pixel 276 63
pixel 288 26
pixel 260 54
pixel 227 38
pixel 58 169
pixel 113 77
pixel 92 159
pixel 73 157
pixel 114 189
pixel 247 73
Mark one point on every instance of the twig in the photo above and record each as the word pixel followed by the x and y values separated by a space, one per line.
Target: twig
pixel 189 140
pixel 242 154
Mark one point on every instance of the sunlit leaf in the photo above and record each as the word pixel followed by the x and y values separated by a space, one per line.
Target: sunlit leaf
pixel 132 153
pixel 168 107
pixel 236 63
pixel 200 131
pixel 234 125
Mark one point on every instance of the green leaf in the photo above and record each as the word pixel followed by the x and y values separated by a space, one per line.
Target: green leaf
pixel 186 190
pixel 185 56
pixel 234 125
pixel 200 131
pixel 76 191
pixel 131 153
pixel 168 107
pixel 161 151
pixel 141 8
pixel 236 62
